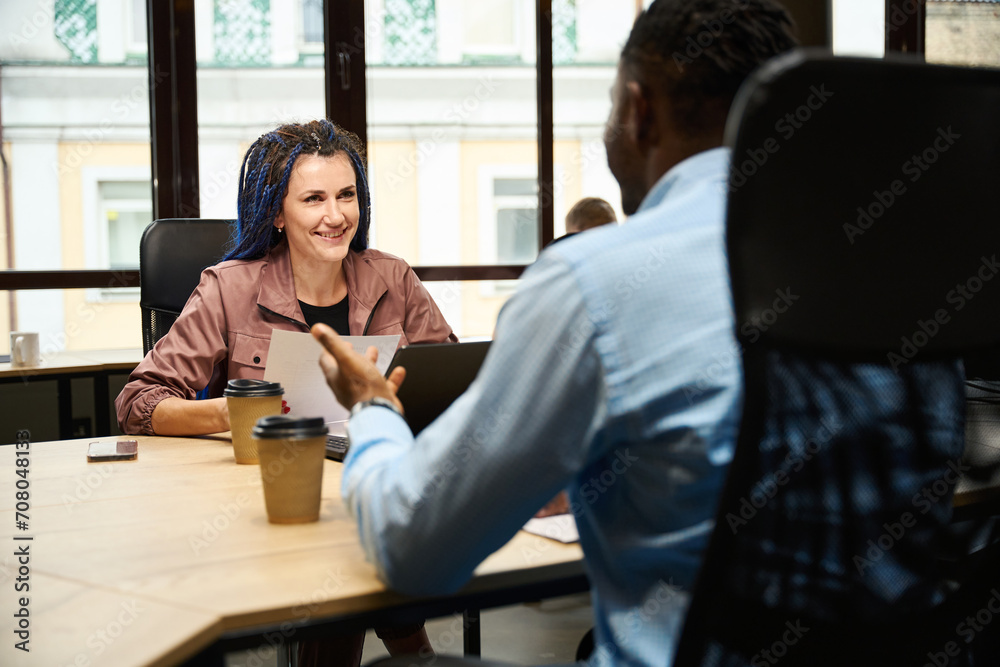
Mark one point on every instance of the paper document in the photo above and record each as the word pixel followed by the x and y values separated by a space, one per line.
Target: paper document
pixel 293 360
pixel 561 527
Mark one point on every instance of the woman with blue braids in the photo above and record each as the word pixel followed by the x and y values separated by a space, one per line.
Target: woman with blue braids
pixel 299 255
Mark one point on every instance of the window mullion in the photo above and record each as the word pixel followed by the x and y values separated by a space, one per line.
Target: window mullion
pixel 546 139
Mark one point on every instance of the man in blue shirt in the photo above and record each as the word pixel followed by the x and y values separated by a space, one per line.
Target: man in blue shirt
pixel 614 372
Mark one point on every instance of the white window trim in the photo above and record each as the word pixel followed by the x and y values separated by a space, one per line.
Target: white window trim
pixel 95 232
pixel 487 210
pixel 134 44
pixel 515 48
pixel 488 174
pixel 306 48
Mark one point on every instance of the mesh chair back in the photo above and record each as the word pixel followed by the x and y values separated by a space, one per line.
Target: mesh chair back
pixel 861 230
pixel 172 254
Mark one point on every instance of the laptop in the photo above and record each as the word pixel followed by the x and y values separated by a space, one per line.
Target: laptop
pixel 436 374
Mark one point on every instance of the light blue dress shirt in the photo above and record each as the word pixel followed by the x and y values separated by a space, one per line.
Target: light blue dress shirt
pixel 614 373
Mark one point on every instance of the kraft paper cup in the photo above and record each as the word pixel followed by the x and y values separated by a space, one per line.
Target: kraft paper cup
pixel 292 450
pixel 248 401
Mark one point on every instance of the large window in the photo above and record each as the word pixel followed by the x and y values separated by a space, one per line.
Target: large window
pixel 76 147
pixel 312 24
pixel 451 90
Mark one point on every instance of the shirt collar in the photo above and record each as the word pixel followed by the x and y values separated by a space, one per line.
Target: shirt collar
pixel 363 282
pixel 277 285
pixel 693 169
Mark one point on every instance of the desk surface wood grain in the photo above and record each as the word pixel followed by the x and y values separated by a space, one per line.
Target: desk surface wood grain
pixel 78 625
pixel 184 528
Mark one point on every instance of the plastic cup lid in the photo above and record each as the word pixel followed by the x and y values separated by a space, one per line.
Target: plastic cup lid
pixel 283 426
pixel 246 388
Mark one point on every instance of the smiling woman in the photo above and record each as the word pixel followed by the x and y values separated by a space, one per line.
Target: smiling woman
pixel 299 256
pixel 320 218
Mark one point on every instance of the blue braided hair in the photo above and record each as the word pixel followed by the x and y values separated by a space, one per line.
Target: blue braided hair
pixel 264 175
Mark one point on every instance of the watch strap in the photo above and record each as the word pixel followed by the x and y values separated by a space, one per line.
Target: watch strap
pixel 375 400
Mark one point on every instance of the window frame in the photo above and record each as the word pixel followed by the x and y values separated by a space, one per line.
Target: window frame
pixel 515 50
pixel 96 240
pixel 306 46
pixel 134 44
pixel 96 237
pixel 489 206
pixel 171 49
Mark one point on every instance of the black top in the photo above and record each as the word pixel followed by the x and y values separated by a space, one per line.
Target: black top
pixel 334 316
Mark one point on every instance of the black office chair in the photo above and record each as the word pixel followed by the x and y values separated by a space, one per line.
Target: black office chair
pixel 172 254
pixel 863 219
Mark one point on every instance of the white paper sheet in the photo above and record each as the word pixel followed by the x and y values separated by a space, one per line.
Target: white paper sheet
pixel 293 360
pixel 561 527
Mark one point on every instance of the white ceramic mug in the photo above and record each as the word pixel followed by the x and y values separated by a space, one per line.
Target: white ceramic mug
pixel 24 350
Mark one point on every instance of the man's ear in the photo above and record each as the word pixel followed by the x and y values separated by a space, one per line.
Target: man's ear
pixel 642 123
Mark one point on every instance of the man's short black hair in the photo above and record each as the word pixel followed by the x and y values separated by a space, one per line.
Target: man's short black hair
pixel 698 52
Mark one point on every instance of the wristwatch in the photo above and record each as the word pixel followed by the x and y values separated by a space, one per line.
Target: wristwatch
pixel 374 400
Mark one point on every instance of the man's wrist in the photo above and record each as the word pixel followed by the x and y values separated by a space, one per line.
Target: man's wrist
pixel 374 401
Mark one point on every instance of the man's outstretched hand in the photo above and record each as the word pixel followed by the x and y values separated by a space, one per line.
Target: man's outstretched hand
pixel 352 377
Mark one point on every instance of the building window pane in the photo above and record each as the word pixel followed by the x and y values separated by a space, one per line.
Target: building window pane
pixel 74 23
pixel 517 235
pixel 410 32
pixel 516 220
pixel 126 212
pixel 518 187
pixel 137 26
pixel 312 21
pixel 242 32
pixel 260 65
pixel 563 32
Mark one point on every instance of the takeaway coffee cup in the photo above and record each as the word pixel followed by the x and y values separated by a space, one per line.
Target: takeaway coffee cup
pixel 248 401
pixel 291 452
pixel 24 350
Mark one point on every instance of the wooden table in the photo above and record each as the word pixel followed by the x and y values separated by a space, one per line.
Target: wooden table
pixel 64 366
pixel 156 560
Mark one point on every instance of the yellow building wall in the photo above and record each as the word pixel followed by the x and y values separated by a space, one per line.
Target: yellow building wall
pixel 568 159
pixel 394 199
pixel 92 320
